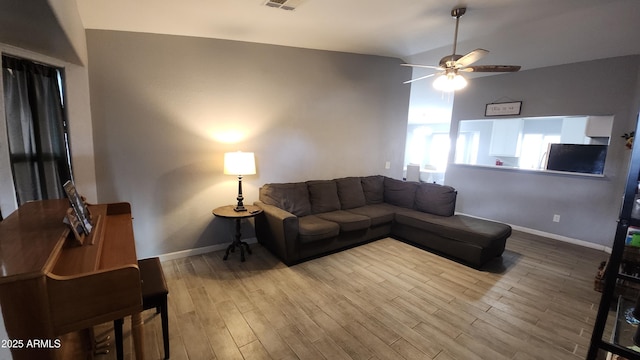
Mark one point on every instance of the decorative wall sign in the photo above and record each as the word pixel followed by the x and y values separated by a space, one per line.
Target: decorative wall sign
pixel 506 108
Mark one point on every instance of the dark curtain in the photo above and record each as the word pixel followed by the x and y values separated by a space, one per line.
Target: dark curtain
pixel 36 129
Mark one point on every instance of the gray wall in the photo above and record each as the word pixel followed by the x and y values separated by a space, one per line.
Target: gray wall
pixel 51 28
pixel 51 34
pixel 588 206
pixel 166 108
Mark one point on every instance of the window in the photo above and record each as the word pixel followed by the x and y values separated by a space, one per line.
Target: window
pixel 37 131
pixel 467 148
pixel 534 150
pixel 428 146
pixel 438 154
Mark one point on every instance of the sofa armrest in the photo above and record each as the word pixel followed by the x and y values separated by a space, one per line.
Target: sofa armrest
pixel 277 229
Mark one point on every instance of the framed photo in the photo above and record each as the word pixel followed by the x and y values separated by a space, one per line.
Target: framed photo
pixel 506 108
pixel 76 226
pixel 79 206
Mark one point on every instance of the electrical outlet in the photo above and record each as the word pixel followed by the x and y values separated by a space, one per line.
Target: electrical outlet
pixel 556 218
pixel 387 165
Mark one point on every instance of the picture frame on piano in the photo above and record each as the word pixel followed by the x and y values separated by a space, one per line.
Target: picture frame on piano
pixel 79 206
pixel 76 226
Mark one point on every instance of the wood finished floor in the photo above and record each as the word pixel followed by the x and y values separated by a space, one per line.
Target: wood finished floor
pixel 383 300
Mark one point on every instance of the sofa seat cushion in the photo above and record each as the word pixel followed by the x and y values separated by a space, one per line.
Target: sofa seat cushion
pixel 348 221
pixel 457 227
pixel 378 213
pixel 312 228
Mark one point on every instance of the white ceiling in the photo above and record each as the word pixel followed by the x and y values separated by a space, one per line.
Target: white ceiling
pixel 531 33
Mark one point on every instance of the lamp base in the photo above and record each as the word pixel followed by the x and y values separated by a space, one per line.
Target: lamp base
pixel 240 206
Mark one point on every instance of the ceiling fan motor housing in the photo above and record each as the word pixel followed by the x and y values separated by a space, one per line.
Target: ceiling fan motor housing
pixel 449 61
pixel 457 12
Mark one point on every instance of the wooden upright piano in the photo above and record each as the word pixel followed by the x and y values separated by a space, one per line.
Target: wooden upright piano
pixel 53 289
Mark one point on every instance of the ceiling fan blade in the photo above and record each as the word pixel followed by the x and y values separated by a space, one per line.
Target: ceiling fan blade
pixel 492 68
pixel 471 57
pixel 423 66
pixel 420 78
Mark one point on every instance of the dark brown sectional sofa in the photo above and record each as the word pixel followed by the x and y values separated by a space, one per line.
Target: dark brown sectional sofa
pixel 308 219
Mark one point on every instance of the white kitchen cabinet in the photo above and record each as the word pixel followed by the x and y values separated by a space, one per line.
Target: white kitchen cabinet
pixel 506 137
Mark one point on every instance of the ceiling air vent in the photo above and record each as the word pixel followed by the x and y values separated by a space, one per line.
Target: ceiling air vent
pixel 283 4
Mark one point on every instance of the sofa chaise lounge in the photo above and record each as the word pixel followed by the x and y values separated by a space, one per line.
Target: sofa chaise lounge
pixel 309 219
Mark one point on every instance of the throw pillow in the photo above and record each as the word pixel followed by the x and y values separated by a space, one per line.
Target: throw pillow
pixel 291 197
pixel 373 188
pixel 399 193
pixel 350 193
pixel 436 199
pixel 323 195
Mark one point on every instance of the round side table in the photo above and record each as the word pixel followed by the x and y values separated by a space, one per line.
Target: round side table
pixel 228 212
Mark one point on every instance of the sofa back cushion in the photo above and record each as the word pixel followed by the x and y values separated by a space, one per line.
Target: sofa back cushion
pixel 373 188
pixel 292 197
pixel 399 193
pixel 323 195
pixel 350 193
pixel 436 199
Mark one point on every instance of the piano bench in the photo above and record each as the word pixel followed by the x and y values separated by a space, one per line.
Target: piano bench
pixel 154 295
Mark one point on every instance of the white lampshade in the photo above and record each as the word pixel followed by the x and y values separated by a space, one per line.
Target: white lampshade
pixel 449 82
pixel 239 163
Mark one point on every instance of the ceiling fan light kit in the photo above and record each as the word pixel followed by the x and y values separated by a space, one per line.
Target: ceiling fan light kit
pixel 450 82
pixel 450 65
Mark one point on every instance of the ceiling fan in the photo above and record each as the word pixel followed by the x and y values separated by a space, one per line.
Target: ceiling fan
pixel 450 65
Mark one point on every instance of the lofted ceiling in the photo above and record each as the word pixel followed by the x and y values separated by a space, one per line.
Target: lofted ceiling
pixel 531 33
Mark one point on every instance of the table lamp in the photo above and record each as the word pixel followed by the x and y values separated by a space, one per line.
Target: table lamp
pixel 239 163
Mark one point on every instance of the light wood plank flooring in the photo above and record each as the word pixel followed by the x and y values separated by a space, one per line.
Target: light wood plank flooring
pixel 383 300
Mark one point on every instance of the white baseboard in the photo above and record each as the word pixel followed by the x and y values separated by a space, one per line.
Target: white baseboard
pixel 563 238
pixel 201 250
pixel 218 247
pixel 553 236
